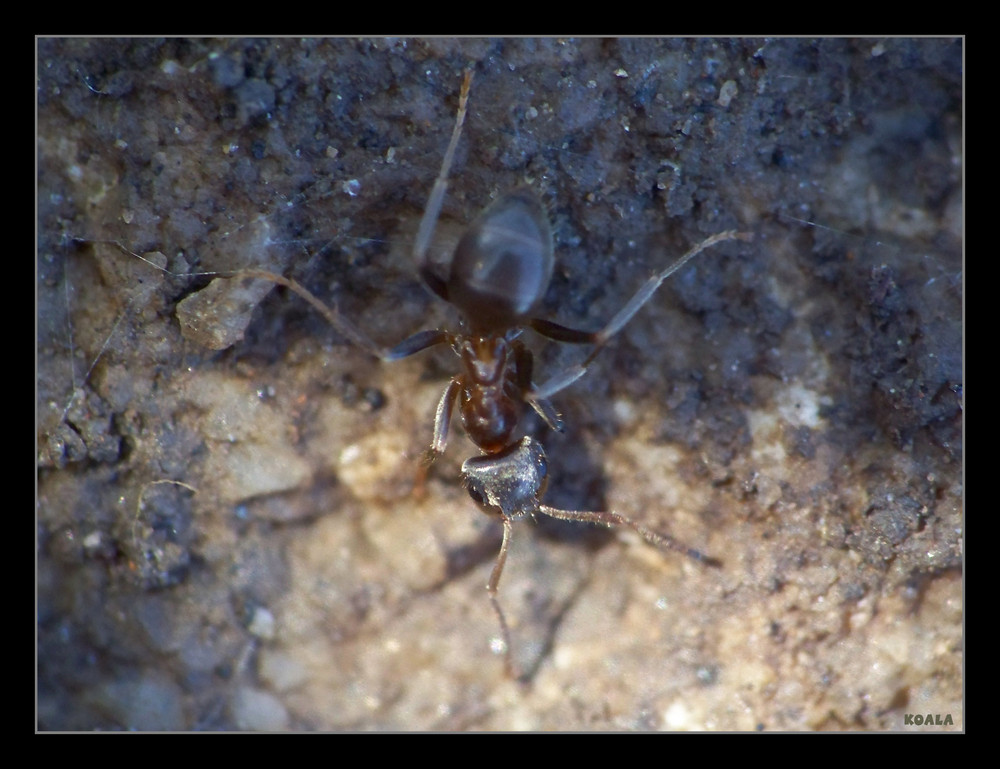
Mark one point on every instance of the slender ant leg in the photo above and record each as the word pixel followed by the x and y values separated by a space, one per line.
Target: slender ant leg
pixel 433 208
pixel 610 519
pixel 423 339
pixel 413 344
pixel 613 326
pixel 492 588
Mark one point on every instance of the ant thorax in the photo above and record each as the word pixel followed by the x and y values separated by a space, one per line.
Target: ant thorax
pixel 489 391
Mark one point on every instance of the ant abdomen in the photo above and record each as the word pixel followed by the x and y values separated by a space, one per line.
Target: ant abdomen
pixel 490 398
pixel 503 264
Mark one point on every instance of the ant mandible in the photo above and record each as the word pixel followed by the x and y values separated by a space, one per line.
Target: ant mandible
pixel 498 276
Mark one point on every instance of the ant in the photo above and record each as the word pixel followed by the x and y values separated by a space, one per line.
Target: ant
pixel 498 276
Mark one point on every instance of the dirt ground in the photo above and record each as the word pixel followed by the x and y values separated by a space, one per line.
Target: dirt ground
pixel 231 538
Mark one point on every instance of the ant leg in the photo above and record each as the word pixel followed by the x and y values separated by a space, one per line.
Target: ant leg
pixel 429 220
pixel 609 519
pixel 544 408
pixel 623 316
pixel 409 346
pixel 419 341
pixel 524 364
pixel 424 233
pixel 442 420
pixel 494 583
pixel 560 333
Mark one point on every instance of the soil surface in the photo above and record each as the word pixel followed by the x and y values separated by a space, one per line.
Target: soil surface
pixel 230 530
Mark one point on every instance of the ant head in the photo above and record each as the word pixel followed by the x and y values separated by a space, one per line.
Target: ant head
pixel 510 483
pixel 502 265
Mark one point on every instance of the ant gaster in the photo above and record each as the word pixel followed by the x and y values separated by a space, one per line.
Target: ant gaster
pixel 498 275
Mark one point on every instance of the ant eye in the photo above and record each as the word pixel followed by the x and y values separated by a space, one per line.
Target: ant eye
pixel 477 496
pixel 480 499
pixel 542 464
